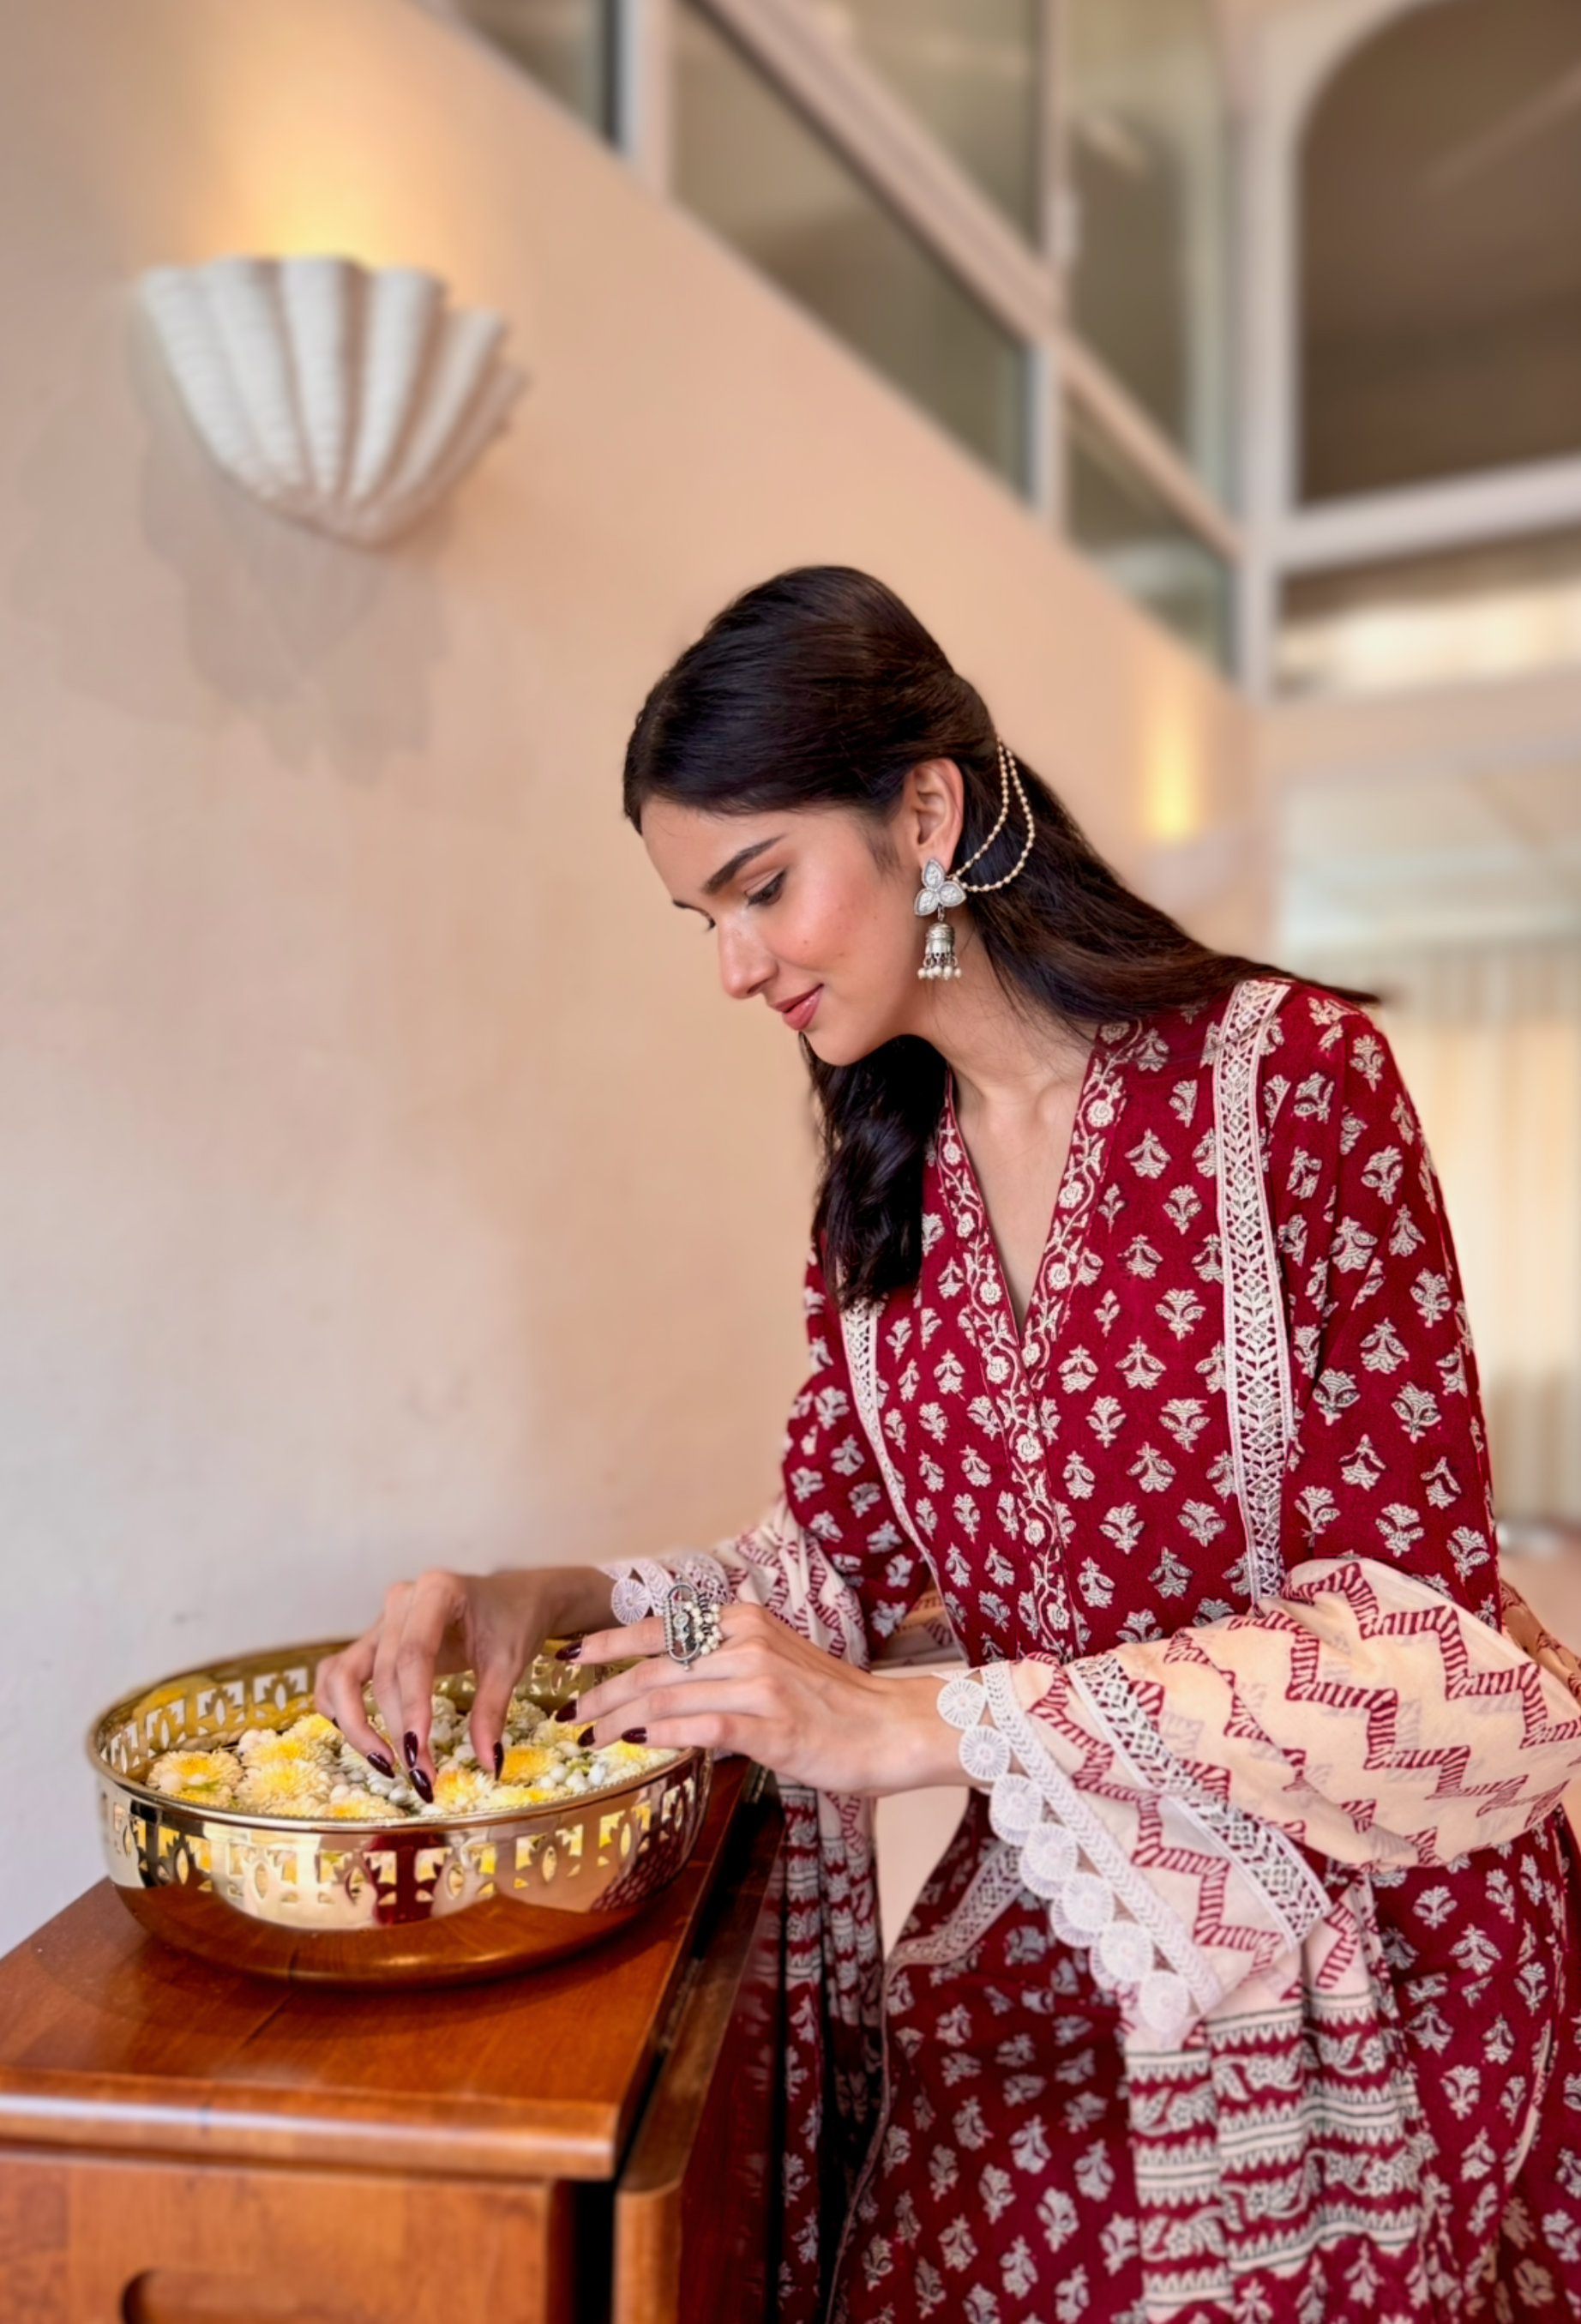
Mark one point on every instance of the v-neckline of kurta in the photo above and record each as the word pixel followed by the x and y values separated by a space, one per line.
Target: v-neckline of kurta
pixel 1098 1105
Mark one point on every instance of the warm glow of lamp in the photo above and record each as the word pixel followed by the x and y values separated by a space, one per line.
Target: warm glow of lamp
pixel 1171 787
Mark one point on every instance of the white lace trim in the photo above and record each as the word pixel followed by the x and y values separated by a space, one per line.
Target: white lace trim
pixel 1098 1901
pixel 994 1887
pixel 1271 1863
pixel 641 1582
pixel 858 1327
pixel 1256 1350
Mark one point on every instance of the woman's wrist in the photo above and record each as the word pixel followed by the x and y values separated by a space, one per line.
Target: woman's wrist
pixel 919 1749
pixel 564 1599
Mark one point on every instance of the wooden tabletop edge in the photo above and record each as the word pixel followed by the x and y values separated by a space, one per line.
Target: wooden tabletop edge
pixel 568 2142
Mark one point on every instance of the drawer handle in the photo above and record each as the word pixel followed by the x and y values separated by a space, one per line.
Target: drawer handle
pixel 176 2295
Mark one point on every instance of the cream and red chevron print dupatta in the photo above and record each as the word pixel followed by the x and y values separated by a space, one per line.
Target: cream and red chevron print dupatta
pixel 1161 1797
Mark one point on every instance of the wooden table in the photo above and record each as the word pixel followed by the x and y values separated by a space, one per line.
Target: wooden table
pixel 179 2144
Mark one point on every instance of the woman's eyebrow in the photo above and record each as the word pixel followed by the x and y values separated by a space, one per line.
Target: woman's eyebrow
pixel 727 872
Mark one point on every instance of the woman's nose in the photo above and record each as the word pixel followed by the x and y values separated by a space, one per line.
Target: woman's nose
pixel 745 967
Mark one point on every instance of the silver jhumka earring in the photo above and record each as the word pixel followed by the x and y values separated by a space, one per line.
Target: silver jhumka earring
pixel 942 891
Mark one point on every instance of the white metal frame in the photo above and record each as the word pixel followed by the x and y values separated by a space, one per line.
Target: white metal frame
pixel 644 78
pixel 1293 56
pixel 1540 496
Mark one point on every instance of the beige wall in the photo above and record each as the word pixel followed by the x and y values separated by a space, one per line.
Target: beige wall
pixel 382 1179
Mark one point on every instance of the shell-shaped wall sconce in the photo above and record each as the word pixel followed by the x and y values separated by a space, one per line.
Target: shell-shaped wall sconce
pixel 344 397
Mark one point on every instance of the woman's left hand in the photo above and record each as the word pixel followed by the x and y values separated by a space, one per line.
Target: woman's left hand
pixel 765 1693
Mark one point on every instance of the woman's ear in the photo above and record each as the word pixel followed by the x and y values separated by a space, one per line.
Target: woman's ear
pixel 932 809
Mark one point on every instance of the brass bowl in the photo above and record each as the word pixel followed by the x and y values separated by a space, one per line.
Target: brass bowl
pixel 350 1904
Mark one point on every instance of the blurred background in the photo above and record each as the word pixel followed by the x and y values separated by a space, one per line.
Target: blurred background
pixel 382 1180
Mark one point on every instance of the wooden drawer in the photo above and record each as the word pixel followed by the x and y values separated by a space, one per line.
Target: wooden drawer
pixel 90 2241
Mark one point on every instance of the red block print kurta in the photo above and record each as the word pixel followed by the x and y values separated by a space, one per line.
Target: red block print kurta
pixel 1072 1489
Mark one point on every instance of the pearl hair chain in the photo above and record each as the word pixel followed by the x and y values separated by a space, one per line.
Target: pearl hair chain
pixel 942 891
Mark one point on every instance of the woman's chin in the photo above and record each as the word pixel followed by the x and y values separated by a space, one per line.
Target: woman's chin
pixel 832 1048
pixel 828 1047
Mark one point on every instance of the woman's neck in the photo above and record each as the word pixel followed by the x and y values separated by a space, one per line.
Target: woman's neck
pixel 1008 1062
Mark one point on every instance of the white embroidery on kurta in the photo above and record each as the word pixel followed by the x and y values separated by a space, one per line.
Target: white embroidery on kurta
pixel 860 1329
pixel 994 1887
pixel 1257 1352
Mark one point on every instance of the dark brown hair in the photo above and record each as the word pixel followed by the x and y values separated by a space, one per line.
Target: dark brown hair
pixel 820 688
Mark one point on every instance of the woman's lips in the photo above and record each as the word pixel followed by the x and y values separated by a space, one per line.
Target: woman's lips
pixel 799 1014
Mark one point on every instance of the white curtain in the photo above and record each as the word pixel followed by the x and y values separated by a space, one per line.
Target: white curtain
pixel 1489 1040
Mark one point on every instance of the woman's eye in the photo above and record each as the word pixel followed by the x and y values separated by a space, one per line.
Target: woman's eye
pixel 769 891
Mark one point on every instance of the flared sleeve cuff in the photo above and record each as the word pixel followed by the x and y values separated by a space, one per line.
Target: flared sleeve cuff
pixel 642 1583
pixel 776 1563
pixel 1159 1896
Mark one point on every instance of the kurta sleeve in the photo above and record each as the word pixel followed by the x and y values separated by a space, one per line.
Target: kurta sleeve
pixel 1389 1458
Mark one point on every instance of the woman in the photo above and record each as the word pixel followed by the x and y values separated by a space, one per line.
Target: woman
pixel 1247 1986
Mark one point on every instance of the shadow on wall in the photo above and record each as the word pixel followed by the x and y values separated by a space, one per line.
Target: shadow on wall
pixel 326 649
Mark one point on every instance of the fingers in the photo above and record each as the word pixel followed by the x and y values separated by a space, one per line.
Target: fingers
pixel 725 1714
pixel 746 1653
pixel 411 1640
pixel 337 1692
pixel 497 1673
pixel 737 1622
pixel 626 1639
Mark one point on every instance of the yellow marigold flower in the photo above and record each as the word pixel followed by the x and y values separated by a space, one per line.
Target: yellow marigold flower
pixel 261 1749
pixel 361 1807
pixel 463 1791
pixel 288 1789
pixel 206 1778
pixel 314 1727
pixel 524 1764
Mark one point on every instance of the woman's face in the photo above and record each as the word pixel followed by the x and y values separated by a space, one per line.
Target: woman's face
pixel 807 917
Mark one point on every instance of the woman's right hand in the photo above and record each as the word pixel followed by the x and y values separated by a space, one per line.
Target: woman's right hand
pixel 491 1624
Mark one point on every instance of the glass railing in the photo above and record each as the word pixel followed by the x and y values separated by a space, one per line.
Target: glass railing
pixel 1116 518
pixel 972 72
pixel 1148 165
pixel 566 45
pixel 752 165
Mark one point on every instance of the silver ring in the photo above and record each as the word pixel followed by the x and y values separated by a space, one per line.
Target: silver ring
pixel 692 1623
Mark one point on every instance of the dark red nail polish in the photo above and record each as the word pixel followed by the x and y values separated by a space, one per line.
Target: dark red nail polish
pixel 412 1749
pixel 334 1722
pixel 634 1735
pixel 498 1760
pixel 385 1766
pixel 571 1653
pixel 423 1787
pixel 585 1738
pixel 567 1711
